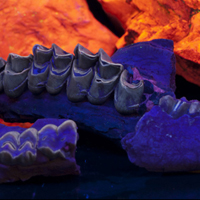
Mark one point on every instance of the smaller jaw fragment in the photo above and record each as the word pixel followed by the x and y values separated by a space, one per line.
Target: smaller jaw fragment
pixel 105 79
pixel 60 66
pixel 127 96
pixel 173 107
pixel 47 148
pixel 81 76
pixel 38 75
pixel 15 74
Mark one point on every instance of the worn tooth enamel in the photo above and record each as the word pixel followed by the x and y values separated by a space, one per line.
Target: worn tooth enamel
pixel 15 74
pixel 59 70
pixel 2 69
pixel 82 73
pixel 194 107
pixel 18 149
pixel 105 78
pixel 52 139
pixel 127 96
pixel 173 107
pixel 38 75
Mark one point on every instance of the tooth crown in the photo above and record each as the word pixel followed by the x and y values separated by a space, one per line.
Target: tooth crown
pixel 16 69
pixel 127 95
pixel 51 141
pixel 2 67
pixel 177 108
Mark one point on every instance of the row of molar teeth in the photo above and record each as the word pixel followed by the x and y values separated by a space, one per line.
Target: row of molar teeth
pixel 52 141
pixel 16 148
pixel 177 108
pixel 87 76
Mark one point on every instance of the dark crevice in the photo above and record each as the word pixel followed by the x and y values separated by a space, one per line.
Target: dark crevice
pixel 98 12
pixel 186 89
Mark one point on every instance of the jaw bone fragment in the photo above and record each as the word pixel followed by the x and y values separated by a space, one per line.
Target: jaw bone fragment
pixel 105 78
pixel 15 74
pixel 173 107
pixel 79 82
pixel 127 96
pixel 16 149
pixel 37 76
pixel 2 67
pixel 59 69
pixel 47 148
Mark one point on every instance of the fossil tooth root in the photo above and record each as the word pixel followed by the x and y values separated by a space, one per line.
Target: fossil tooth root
pixel 127 94
pixel 38 75
pixel 2 68
pixel 105 78
pixel 15 74
pixel 173 107
pixel 60 66
pixel 82 74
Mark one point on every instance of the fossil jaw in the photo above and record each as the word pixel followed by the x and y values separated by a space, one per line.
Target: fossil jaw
pixel 52 141
pixel 127 95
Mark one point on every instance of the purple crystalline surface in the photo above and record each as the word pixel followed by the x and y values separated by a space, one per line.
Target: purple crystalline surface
pixel 161 143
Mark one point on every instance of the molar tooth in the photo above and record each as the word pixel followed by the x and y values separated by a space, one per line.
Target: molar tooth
pixel 53 139
pixel 15 74
pixel 2 69
pixel 194 107
pixel 59 70
pixel 105 78
pixel 37 76
pixel 81 76
pixel 18 149
pixel 127 95
pixel 173 107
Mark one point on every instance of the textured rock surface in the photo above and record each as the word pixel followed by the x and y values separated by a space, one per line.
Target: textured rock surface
pixel 161 143
pixel 102 119
pixel 66 23
pixel 176 20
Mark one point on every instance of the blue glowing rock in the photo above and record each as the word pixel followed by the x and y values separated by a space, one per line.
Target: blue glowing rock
pixel 163 143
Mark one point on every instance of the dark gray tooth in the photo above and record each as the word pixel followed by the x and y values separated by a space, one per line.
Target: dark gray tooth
pixel 82 73
pixel 105 79
pixel 38 75
pixel 15 74
pixel 173 107
pixel 194 107
pixel 127 96
pixel 61 63
pixel 19 149
pixel 2 69
pixel 53 140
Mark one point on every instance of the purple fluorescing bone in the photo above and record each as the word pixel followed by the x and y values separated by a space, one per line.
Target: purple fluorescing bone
pixel 47 148
pixel 166 142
